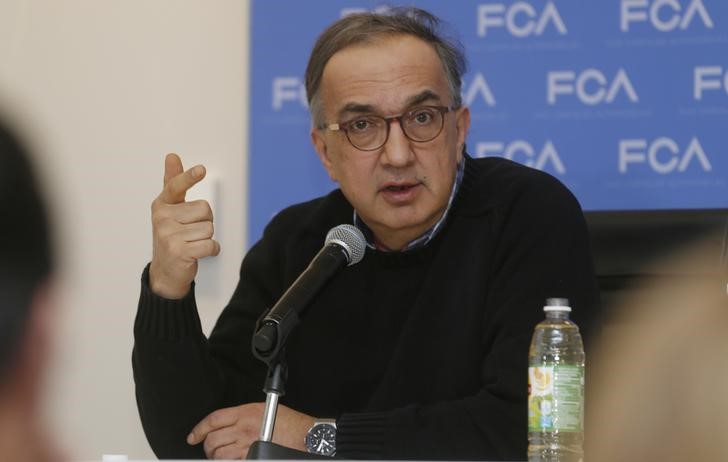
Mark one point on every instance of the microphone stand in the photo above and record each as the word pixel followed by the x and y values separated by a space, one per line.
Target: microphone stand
pixel 268 347
pixel 344 245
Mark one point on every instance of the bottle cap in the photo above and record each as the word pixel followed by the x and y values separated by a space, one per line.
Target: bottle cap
pixel 557 304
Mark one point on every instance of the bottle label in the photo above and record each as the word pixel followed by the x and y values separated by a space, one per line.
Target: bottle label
pixel 555 398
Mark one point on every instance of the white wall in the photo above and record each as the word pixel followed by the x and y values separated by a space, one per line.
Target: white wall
pixel 104 89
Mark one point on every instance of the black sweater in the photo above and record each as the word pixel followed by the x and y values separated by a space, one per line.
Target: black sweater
pixel 419 354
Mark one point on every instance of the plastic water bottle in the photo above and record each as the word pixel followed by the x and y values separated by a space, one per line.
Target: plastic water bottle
pixel 556 387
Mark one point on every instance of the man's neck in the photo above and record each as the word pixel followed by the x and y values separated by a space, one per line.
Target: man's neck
pixel 399 241
pixel 410 238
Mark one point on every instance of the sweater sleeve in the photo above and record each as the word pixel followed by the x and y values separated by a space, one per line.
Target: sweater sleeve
pixel 180 375
pixel 541 250
pixel 169 350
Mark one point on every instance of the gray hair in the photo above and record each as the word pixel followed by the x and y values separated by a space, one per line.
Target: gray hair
pixel 367 28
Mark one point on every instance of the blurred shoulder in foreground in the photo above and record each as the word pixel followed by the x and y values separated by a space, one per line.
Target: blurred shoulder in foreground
pixel 26 304
pixel 660 373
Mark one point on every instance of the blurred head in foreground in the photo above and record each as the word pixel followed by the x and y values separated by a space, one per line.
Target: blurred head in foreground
pixel 662 374
pixel 26 270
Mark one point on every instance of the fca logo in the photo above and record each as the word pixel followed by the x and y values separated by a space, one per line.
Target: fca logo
pixel 478 87
pixel 664 15
pixel 288 89
pixel 523 152
pixel 379 10
pixel 709 78
pixel 590 86
pixel 663 155
pixel 521 19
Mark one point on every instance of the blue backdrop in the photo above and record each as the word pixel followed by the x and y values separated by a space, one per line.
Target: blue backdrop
pixel 625 101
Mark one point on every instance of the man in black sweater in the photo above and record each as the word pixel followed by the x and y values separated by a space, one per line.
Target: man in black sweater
pixel 420 350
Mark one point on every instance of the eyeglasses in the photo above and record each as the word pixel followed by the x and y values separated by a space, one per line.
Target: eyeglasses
pixel 371 132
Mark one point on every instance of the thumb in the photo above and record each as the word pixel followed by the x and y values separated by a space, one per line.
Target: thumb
pixel 172 167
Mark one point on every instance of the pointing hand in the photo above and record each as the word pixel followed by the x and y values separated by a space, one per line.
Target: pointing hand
pixel 182 231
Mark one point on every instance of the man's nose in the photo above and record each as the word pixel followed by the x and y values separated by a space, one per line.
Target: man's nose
pixel 397 151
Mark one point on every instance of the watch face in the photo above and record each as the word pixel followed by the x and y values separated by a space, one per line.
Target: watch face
pixel 321 439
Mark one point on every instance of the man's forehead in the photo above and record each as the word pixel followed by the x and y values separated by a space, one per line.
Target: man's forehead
pixel 385 74
pixel 396 50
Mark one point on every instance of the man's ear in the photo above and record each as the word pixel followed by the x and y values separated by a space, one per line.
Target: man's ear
pixel 462 124
pixel 319 143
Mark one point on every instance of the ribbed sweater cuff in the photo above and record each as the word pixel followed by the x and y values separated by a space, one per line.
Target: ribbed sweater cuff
pixel 165 319
pixel 361 436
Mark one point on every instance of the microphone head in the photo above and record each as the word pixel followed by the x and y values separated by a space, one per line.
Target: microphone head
pixel 351 239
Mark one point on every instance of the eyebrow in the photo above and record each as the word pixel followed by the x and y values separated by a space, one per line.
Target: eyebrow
pixel 358 108
pixel 420 98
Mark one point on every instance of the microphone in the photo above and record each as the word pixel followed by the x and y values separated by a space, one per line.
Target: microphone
pixel 344 246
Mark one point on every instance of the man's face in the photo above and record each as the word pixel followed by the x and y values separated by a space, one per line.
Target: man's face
pixel 401 189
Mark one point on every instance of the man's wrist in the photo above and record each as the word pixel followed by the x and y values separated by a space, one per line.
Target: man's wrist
pixel 161 288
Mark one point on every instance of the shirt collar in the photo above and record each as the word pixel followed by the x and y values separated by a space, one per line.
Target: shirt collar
pixel 427 236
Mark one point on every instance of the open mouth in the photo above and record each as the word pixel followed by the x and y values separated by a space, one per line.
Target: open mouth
pixel 400 194
pixel 400 187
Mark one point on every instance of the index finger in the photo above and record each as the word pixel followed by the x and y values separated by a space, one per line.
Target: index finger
pixel 175 189
pixel 217 419
pixel 172 166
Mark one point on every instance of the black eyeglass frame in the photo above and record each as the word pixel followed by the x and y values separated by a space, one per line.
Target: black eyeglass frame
pixel 344 126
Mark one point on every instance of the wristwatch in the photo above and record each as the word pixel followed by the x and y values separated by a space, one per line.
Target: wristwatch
pixel 321 438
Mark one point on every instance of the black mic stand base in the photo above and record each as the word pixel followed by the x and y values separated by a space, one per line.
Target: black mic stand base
pixel 265 450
